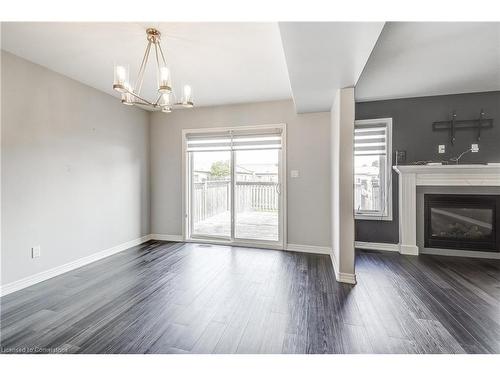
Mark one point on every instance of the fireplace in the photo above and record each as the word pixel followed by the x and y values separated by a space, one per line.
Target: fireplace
pixel 462 222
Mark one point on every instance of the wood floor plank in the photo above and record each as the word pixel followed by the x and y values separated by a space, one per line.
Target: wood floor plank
pixel 209 338
pixel 179 298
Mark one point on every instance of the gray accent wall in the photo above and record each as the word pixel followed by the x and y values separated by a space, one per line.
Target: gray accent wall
pixel 412 132
pixel 74 167
pixel 308 150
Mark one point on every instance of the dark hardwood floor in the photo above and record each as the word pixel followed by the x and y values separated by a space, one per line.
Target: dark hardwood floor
pixel 165 297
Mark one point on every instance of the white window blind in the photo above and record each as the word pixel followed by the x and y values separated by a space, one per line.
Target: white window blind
pixel 370 139
pixel 234 140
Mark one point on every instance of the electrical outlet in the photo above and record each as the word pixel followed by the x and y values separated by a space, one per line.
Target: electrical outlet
pixel 474 147
pixel 294 173
pixel 441 149
pixel 36 252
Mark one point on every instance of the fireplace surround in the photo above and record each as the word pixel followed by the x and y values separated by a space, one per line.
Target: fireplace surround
pixel 445 177
pixel 462 222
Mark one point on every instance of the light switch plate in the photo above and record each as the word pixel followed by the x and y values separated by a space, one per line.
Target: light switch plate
pixel 294 173
pixel 36 252
pixel 441 149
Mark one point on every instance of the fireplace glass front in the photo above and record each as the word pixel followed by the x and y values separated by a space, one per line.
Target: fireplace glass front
pixel 464 222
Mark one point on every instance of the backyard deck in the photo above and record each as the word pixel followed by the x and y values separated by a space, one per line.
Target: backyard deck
pixel 256 225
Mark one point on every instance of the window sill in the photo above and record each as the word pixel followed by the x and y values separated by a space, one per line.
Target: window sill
pixel 373 217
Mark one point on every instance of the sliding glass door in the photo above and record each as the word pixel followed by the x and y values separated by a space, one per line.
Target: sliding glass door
pixel 234 182
pixel 211 193
pixel 257 194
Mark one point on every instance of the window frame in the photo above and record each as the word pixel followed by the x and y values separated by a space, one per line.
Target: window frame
pixel 386 214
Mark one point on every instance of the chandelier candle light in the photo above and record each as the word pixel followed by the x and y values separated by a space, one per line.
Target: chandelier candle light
pixel 132 96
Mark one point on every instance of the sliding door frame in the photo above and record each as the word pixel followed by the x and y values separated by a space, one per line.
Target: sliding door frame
pixel 186 191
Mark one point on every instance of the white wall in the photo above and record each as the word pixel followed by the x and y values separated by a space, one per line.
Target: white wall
pixel 308 150
pixel 78 166
pixel 75 169
pixel 342 167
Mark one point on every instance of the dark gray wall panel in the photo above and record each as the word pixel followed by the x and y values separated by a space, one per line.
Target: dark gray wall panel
pixel 412 132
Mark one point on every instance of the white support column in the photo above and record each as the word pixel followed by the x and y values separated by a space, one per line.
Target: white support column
pixel 407 214
pixel 342 164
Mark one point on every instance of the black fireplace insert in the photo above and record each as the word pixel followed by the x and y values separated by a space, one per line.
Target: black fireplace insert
pixel 462 222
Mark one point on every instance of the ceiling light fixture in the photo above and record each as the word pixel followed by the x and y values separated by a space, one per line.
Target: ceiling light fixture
pixel 132 96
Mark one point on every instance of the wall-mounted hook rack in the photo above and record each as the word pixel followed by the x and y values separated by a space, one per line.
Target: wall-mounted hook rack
pixel 454 125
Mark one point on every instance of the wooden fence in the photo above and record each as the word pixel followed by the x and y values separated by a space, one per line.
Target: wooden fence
pixel 214 197
pixel 256 196
pixel 210 198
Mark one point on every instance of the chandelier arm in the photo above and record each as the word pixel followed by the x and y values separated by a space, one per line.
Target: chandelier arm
pixel 139 97
pixel 161 53
pixel 158 100
pixel 157 62
pixel 140 103
pixel 179 105
pixel 142 69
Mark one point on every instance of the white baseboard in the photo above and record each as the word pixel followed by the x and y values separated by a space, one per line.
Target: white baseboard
pixel 56 271
pixel 408 249
pixel 342 277
pixel 308 249
pixel 167 237
pixel 335 265
pixel 347 278
pixel 289 247
pixel 414 250
pixel 461 253
pixel 376 246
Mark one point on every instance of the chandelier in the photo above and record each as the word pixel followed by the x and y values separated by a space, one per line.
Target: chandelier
pixel 165 100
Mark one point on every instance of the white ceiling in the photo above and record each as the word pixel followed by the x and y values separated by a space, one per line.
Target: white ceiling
pixel 245 62
pixel 325 56
pixel 423 58
pixel 223 62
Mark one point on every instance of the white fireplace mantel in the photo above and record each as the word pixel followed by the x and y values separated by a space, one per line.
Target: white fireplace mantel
pixel 411 176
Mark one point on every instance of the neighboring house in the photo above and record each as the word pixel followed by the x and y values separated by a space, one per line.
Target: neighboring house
pixel 251 173
pixel 367 188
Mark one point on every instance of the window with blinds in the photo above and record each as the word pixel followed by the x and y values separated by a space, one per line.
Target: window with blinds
pixel 234 140
pixel 372 169
pixel 370 139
